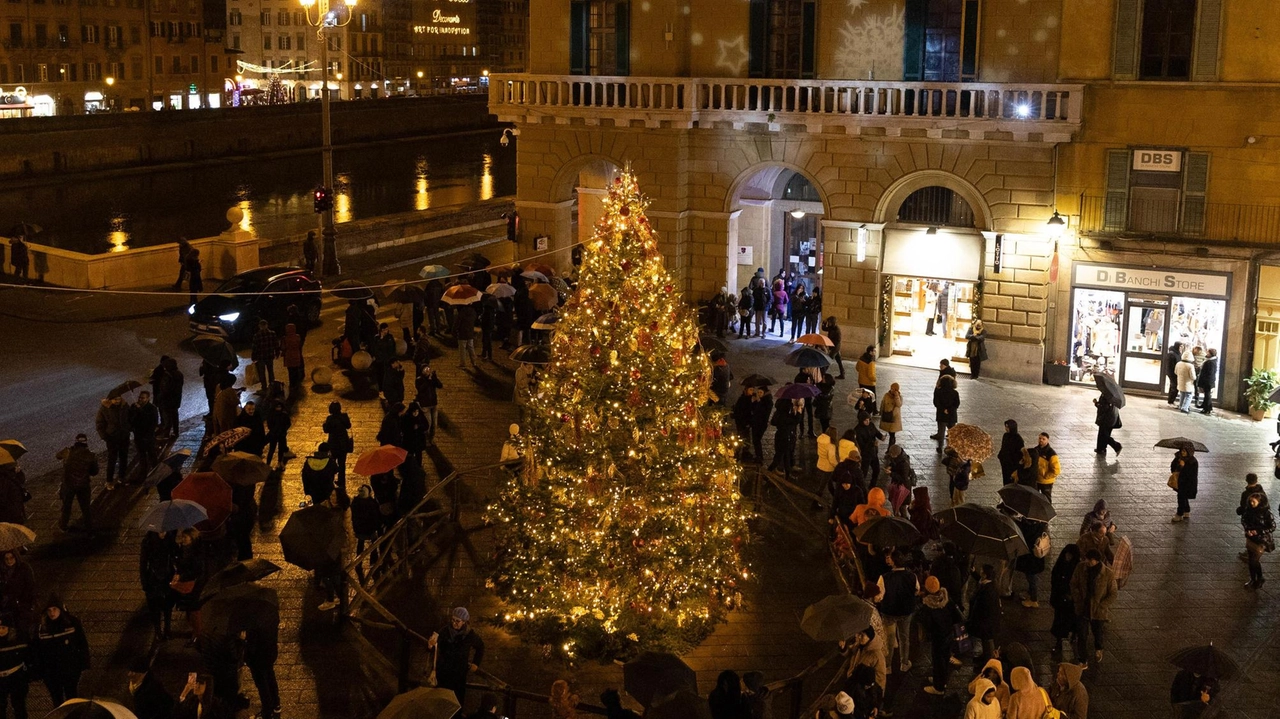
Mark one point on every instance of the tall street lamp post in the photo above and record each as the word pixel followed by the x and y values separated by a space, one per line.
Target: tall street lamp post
pixel 326 18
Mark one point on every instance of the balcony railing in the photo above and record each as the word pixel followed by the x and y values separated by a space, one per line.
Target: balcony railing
pixel 1048 113
pixel 1191 217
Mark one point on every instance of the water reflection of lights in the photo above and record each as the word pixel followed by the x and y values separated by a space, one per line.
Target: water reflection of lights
pixel 422 196
pixel 486 178
pixel 342 200
pixel 118 236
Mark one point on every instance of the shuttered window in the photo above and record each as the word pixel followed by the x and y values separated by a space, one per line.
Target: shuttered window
pixel 1117 209
pixel 1168 32
pixel 1195 184
pixel 1208 37
pixel 1124 63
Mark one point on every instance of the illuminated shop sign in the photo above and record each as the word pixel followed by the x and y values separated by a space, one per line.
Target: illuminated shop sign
pixel 449 17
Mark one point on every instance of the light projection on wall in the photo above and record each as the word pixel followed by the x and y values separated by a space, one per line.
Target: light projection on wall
pixel 870 46
pixel 734 55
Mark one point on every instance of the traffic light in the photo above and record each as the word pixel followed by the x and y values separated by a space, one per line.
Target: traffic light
pixel 324 199
pixel 513 226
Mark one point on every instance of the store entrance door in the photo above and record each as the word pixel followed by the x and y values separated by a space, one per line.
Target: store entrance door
pixel 1145 329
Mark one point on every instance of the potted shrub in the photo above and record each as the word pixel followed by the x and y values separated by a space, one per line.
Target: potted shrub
pixel 1258 389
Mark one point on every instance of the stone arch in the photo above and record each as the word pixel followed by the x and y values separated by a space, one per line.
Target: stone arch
pixel 566 179
pixel 893 197
pixel 771 171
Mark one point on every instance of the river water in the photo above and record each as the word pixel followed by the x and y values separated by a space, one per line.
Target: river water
pixel 101 213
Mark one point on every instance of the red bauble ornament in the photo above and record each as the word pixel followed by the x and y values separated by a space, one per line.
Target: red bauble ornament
pixel 565 418
pixel 668 289
pixel 625 212
pixel 617 180
pixel 633 399
pixel 626 265
pixel 595 350
pixel 635 374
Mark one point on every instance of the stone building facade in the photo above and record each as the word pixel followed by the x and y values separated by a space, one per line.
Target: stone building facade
pixel 934 141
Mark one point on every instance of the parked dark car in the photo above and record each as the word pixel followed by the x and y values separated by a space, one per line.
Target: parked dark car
pixel 265 293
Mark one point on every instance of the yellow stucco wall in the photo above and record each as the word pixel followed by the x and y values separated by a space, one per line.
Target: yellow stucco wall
pixel 1251 40
pixel 1019 40
pixel 549 37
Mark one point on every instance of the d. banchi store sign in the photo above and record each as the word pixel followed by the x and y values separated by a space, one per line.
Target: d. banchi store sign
pixel 446 17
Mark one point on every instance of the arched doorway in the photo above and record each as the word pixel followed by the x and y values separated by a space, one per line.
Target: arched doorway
pixel 776 228
pixel 931 270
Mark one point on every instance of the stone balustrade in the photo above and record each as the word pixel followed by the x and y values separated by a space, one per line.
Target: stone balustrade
pixel 967 111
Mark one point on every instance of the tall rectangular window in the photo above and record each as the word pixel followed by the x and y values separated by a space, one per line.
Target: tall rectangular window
pixel 42 35
pixel 599 42
pixel 790 39
pixel 1168 32
pixel 176 63
pixel 195 64
pixel 159 65
pixel 266 41
pixel 15 34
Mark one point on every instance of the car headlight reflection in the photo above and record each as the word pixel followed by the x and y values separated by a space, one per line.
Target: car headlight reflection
pixel 229 317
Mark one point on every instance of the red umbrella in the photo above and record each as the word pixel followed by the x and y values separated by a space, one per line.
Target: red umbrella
pixel 544 297
pixel 539 267
pixel 208 490
pixel 380 459
pixel 462 295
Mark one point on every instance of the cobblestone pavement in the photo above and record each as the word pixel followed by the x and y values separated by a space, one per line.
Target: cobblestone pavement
pixel 1186 587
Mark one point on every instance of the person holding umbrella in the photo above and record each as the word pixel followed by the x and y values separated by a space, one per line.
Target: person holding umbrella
pixel 1107 419
pixel 787 417
pixel 112 424
pixel 1258 525
pixel 156 567
pixel 1184 478
pixel 985 612
pixel 188 580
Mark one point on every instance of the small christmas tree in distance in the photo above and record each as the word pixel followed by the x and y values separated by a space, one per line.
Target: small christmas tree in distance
pixel 626 530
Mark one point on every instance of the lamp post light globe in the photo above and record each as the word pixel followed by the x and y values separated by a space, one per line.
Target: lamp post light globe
pixel 325 18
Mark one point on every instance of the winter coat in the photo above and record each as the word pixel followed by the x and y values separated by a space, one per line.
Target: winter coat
pixel 337 429
pixel 870 654
pixel 413 431
pixel 464 323
pixel 898 593
pixel 976 709
pixel 866 372
pixel 257 439
pixel 891 405
pixel 1047 464
pixel 392 383
pixel 156 564
pixel 319 477
pixel 985 612
pixel 278 424
pixel 1010 454
pixel 266 346
pixel 1258 523
pixel 1095 604
pixel 189 566
pixel 939 615
pixel 1031 530
pixel 18 593
pixel 866 436
pixel 1064 609
pixel 827 460
pixel 1105 545
pixel 390 431
pixel 876 506
pixel 1073 700
pixel 1002 689
pixel 1171 359
pixel 1027 700
pixel 976 348
pixel 946 400
pixel 291 346
pixel 226 408
pixel 79 465
pixel 455 653
pixel 1188 475
pixel 742 415
pixel 1107 415
pixel 1208 377
pixel 760 413
pixel 1185 372
pixel 13 495
pixel 383 347
pixel 112 421
pixel 144 419
pixel 426 390
pixel 61 646
pixel 366 519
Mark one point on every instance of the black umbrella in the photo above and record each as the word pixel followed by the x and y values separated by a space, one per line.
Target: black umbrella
pixel 170 466
pixel 1182 443
pixel 216 350
pixel 836 618
pixel 684 704
pixel 758 380
pixel 1207 661
pixel 403 293
pixel 24 229
pixel 982 530
pixel 887 532
pixel 808 357
pixel 249 570
pixel 532 354
pixel 123 388
pixel 1109 387
pixel 313 538
pixel 654 675
pixel 712 344
pixel 241 608
pixel 353 290
pixel 1030 503
pixel 478 261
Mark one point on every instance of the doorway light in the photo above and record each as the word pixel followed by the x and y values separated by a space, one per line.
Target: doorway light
pixel 862 243
pixel 798 214
pixel 1056 225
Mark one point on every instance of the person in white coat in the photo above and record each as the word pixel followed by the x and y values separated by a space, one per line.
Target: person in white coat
pixel 1185 371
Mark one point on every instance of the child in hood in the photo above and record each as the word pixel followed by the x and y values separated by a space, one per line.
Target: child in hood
pixel 984 704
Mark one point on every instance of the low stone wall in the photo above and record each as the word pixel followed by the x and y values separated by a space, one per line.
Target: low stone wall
pixel 37 146
pixel 237 251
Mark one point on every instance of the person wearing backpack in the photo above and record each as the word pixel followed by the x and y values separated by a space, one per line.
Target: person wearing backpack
pixel 1032 565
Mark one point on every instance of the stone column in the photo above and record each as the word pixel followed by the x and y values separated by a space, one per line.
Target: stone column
pixel 851 289
pixel 1014 306
pixel 551 219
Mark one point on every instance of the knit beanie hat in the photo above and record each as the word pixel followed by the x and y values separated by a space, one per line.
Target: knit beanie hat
pixel 844 703
pixel 461 614
pixel 932 585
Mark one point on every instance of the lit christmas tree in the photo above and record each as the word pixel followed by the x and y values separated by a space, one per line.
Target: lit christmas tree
pixel 626 530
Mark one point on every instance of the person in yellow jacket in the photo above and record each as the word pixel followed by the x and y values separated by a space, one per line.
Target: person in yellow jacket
pixel 866 368
pixel 1048 467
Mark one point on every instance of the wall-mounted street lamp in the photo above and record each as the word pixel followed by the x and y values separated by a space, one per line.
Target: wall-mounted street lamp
pixel 507 134
pixel 1056 225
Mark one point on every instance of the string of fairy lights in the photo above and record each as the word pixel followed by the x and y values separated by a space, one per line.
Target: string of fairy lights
pixel 627 526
